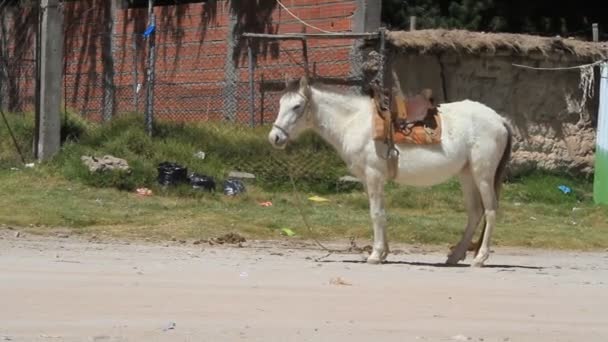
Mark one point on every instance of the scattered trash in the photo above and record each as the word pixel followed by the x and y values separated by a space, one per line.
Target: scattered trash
pixel 339 281
pixel 105 163
pixel 231 238
pixel 200 155
pixel 30 165
pixel 288 232
pixel 143 192
pixel 460 338
pixel 565 189
pixel 169 326
pixel 17 234
pixel 172 173
pixel 244 274
pixel 266 204
pixel 149 30
pixel 318 199
pixel 15 169
pixel 532 218
pixel 202 182
pixel 233 187
pixel 241 175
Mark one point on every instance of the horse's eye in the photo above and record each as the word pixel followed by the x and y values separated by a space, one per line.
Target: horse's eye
pixel 296 107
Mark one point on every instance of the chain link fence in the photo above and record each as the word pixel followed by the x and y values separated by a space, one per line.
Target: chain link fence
pixel 18 32
pixel 233 96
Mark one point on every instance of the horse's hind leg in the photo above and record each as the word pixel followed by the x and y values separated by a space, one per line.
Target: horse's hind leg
pixel 474 206
pixel 484 169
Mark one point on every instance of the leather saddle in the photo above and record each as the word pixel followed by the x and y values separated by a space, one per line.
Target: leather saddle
pixel 413 119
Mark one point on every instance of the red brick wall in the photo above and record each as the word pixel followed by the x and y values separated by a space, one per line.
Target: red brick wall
pixel 192 52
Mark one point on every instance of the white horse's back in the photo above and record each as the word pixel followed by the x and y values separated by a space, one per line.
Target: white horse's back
pixel 464 124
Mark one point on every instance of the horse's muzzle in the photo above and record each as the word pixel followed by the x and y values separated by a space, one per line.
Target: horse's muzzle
pixel 277 138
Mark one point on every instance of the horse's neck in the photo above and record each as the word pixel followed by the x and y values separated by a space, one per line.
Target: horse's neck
pixel 336 114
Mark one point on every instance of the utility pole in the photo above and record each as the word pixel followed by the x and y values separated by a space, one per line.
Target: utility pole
pixel 48 135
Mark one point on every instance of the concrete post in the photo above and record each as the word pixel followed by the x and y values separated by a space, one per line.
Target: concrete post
pixel 231 77
pixel 51 69
pixel 107 57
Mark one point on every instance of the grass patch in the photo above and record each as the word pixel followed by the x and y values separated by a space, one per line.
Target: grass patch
pixel 63 193
pixel 434 216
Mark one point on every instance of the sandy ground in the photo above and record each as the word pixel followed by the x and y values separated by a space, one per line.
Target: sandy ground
pixel 54 289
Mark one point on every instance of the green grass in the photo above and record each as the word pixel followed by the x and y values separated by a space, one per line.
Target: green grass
pixel 63 194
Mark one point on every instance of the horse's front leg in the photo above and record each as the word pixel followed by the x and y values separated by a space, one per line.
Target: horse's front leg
pixel 375 193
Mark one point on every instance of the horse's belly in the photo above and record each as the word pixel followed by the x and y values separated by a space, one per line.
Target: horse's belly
pixel 418 167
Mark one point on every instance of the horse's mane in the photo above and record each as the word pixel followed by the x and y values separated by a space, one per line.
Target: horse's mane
pixel 293 86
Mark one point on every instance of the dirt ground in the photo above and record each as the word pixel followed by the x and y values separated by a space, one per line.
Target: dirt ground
pixel 68 289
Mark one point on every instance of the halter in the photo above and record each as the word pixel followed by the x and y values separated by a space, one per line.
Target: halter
pixel 298 116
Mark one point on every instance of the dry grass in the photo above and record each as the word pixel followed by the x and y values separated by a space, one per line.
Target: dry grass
pixel 460 41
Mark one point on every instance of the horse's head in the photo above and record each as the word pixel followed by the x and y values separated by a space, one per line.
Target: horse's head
pixel 294 114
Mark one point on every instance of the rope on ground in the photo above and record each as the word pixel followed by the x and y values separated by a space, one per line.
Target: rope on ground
pixel 300 20
pixel 299 204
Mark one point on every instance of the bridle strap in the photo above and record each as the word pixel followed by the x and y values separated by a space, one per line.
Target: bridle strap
pixel 306 105
pixel 282 130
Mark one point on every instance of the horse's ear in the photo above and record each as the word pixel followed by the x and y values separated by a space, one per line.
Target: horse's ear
pixel 427 93
pixel 305 87
pixel 304 82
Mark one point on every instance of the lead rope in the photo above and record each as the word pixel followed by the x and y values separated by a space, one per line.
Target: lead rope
pixel 299 205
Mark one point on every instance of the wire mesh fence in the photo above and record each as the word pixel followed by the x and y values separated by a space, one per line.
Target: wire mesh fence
pixel 18 32
pixel 232 91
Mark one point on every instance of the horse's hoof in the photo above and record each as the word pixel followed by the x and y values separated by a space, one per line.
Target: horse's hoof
pixel 452 261
pixel 373 261
pixel 477 263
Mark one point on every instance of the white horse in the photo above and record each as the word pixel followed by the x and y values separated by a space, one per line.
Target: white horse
pixel 475 146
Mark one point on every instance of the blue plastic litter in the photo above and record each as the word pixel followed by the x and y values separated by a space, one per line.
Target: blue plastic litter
pixel 565 189
pixel 149 30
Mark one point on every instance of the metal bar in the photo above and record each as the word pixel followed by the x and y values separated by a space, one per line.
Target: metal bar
pixel 135 75
pixel 312 35
pixel 596 32
pixel 262 100
pixel 382 57
pixel 305 55
pixel 413 23
pixel 251 84
pixel 150 80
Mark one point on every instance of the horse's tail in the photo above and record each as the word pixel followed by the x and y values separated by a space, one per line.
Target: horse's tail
pixel 502 165
pixel 498 180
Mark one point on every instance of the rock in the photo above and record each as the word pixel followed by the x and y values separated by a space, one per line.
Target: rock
pixel 169 326
pixel 107 162
pixel 349 179
pixel 241 175
pixel 17 234
pixel 63 235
